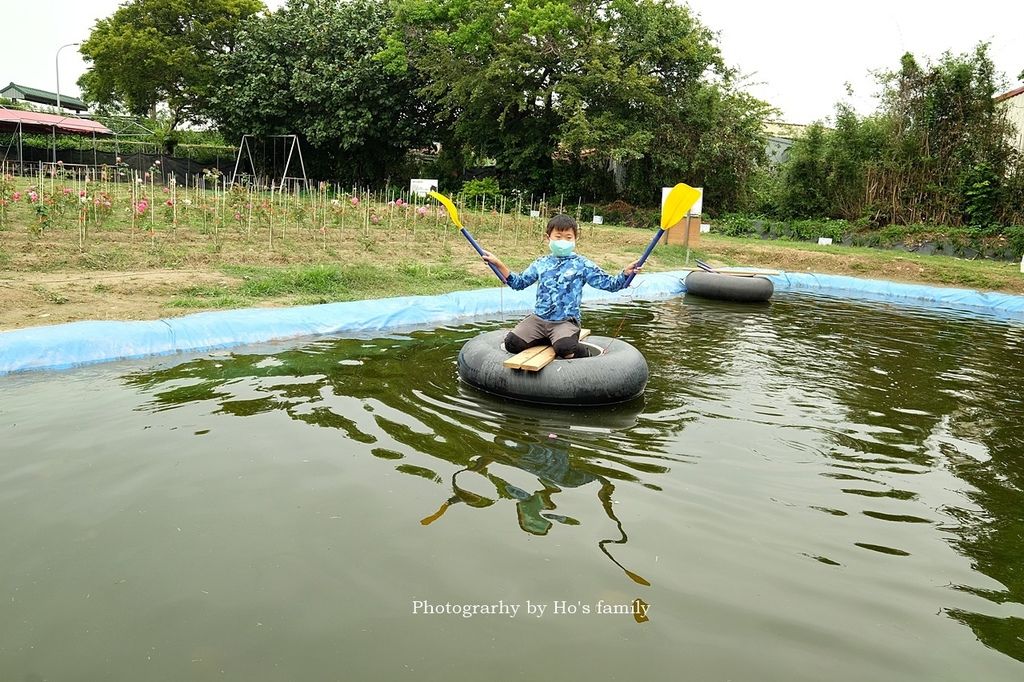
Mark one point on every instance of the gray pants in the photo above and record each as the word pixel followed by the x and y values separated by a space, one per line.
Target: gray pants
pixel 563 336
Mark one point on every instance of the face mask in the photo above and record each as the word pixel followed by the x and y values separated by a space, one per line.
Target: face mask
pixel 561 247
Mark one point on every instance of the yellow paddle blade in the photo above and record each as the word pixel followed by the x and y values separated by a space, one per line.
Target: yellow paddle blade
pixel 680 200
pixel 454 212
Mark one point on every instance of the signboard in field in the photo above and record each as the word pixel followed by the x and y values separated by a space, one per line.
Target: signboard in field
pixel 420 186
pixel 698 207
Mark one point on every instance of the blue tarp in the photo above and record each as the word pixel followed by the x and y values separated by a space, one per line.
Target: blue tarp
pixel 1005 306
pixel 81 343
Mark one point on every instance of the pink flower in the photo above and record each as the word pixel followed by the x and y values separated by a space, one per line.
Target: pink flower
pixel 354 201
pixel 16 196
pixel 141 207
pixel 170 202
pixel 33 197
pixel 375 219
pixel 399 202
pixel 81 193
pixel 238 216
pixel 422 210
pixel 67 190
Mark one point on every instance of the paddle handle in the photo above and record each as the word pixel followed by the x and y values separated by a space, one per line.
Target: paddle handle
pixel 647 252
pixel 472 242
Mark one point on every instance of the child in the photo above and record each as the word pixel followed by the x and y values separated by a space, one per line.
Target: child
pixel 556 316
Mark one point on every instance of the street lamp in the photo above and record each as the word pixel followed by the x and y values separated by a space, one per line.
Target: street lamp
pixel 57 62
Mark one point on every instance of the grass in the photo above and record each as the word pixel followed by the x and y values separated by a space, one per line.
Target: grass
pixel 861 262
pixel 324 252
pixel 327 284
pixel 50 296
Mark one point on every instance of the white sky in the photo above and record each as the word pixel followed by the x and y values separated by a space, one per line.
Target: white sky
pixel 798 53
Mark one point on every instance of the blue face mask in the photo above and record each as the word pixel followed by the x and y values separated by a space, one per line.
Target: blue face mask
pixel 561 247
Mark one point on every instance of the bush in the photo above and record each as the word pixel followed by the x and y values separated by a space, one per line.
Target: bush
pixel 484 192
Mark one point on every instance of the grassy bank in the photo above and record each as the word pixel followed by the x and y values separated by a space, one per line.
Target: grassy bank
pixel 73 259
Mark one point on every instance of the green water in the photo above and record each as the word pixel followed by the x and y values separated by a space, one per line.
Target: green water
pixel 810 490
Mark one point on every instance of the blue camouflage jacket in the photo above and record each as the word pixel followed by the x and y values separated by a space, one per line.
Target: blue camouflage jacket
pixel 560 287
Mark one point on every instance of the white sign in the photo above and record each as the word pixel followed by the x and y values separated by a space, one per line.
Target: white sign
pixel 824 241
pixel 534 214
pixel 705 228
pixel 599 220
pixel 420 186
pixel 698 207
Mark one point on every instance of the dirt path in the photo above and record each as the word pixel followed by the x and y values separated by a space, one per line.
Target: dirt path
pixel 38 298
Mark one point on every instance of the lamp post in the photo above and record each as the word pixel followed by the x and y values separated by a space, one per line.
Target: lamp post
pixel 57 63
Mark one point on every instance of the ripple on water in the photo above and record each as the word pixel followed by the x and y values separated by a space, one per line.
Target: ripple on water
pixel 810 471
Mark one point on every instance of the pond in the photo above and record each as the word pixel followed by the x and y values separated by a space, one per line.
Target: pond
pixel 811 489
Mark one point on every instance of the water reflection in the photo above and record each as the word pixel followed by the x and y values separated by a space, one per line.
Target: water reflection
pixel 908 422
pixel 401 400
pixel 555 470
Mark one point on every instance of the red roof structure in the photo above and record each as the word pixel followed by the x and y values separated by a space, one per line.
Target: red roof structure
pixel 36 122
pixel 1009 95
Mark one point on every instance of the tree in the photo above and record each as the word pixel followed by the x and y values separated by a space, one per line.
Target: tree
pixel 312 68
pixel 638 85
pixel 152 52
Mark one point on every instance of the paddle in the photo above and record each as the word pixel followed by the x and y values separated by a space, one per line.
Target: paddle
pixel 454 214
pixel 679 201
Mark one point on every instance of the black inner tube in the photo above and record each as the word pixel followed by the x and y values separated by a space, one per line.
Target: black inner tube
pixel 723 287
pixel 617 372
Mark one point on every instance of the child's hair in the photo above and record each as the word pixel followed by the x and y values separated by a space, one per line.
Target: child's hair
pixel 562 222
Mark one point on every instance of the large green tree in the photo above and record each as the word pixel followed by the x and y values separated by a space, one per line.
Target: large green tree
pixel 153 52
pixel 638 86
pixel 938 150
pixel 312 68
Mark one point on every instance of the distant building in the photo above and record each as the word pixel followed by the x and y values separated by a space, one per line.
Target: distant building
pixel 21 93
pixel 780 138
pixel 1013 103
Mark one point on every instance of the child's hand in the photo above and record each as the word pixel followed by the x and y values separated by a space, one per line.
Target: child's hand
pixel 497 265
pixel 490 258
pixel 632 268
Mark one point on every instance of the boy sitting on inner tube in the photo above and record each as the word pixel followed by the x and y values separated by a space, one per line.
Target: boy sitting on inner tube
pixel 556 316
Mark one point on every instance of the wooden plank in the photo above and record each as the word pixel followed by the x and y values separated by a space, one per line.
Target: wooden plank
pixel 536 358
pixel 539 361
pixel 516 361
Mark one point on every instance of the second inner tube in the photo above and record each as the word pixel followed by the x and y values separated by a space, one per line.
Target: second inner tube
pixel 724 287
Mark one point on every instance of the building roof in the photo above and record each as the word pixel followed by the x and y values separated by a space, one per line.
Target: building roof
pixel 786 131
pixel 15 91
pixel 1009 95
pixel 38 122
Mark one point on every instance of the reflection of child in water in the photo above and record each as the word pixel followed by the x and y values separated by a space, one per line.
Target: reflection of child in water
pixel 554 469
pixel 550 465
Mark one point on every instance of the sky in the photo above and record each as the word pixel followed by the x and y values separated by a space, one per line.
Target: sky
pixel 797 55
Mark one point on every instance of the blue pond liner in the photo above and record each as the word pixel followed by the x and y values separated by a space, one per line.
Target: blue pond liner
pixel 82 343
pixel 1005 306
